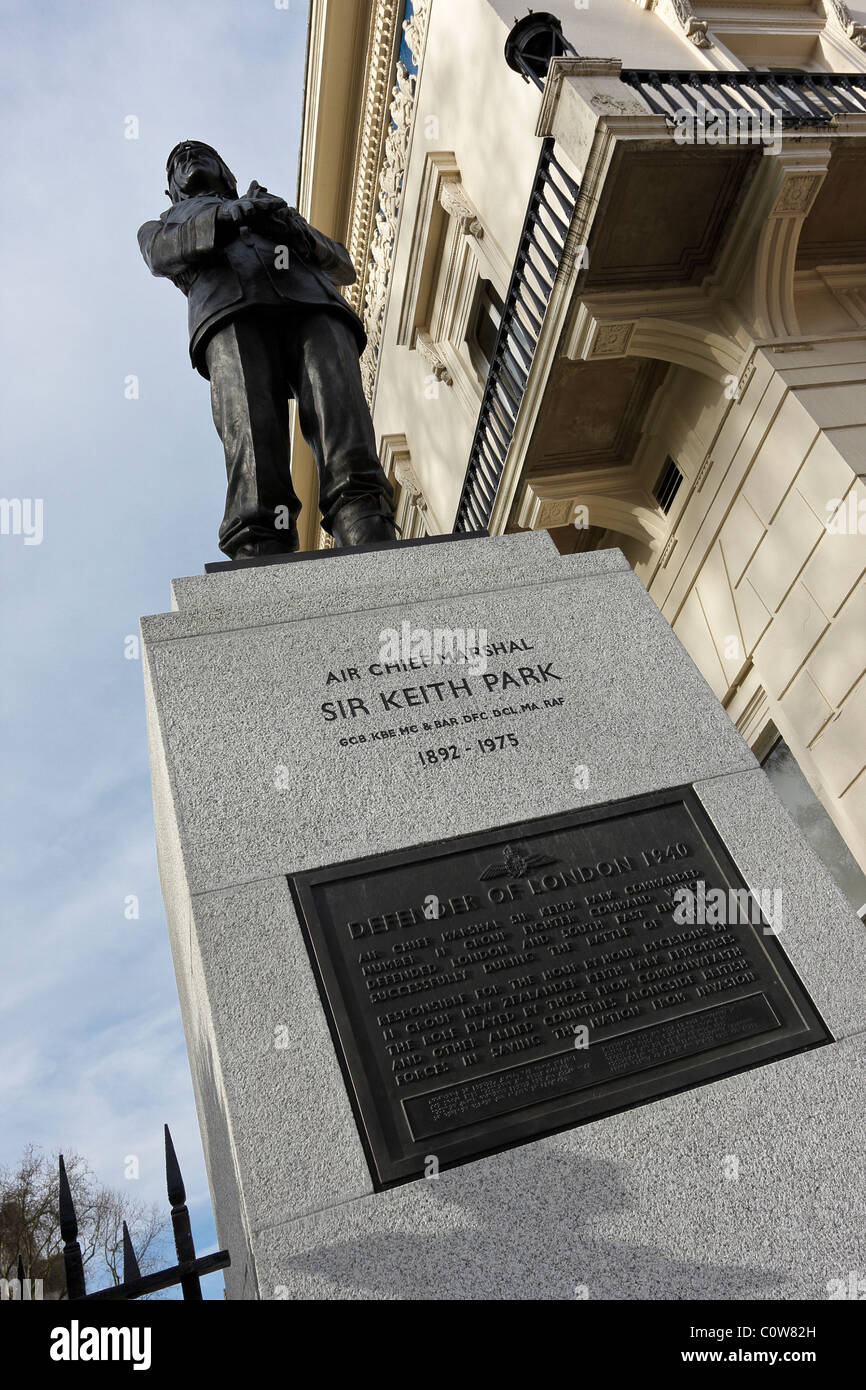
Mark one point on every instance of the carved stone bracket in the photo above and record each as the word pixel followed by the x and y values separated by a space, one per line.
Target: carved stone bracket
pixel 414 516
pixel 678 14
pixel 456 202
pixel 793 181
pixel 404 474
pixel 563 500
pixel 434 359
pixel 851 29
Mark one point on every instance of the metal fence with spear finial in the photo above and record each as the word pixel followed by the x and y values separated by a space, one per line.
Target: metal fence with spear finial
pixel 188 1270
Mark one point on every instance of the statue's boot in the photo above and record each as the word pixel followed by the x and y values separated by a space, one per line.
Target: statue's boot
pixel 264 546
pixel 364 521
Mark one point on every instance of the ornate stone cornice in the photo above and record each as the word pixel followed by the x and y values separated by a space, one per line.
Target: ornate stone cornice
pixel 371 137
pixel 678 14
pixel 385 133
pixel 375 273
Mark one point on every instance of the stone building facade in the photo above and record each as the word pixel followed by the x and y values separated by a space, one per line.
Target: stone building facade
pixel 626 302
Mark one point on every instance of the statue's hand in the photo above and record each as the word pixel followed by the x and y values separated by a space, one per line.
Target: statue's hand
pixel 295 230
pixel 269 215
pixel 239 211
pixel 265 201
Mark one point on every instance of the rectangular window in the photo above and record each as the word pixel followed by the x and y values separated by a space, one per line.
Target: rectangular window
pixel 484 321
pixel 668 485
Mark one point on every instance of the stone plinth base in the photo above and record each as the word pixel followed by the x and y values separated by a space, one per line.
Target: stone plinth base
pixel 750 1186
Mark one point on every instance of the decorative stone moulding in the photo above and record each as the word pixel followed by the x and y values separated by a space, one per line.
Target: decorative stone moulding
pixel 678 14
pixel 383 233
pixel 429 351
pixel 456 202
pixel 368 157
pixel 852 30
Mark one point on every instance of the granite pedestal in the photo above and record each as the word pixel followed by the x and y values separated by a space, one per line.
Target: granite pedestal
pixel 748 1185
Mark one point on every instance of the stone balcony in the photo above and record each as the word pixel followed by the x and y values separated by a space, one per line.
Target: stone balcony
pixel 717 212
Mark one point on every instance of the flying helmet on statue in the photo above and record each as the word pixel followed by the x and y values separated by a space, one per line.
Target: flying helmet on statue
pixel 172 191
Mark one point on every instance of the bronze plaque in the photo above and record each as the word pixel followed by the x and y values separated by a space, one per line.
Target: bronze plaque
pixel 494 988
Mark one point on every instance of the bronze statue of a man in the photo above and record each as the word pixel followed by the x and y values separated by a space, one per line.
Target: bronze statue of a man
pixel 266 322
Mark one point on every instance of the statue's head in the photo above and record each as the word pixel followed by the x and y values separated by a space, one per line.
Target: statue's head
pixel 193 167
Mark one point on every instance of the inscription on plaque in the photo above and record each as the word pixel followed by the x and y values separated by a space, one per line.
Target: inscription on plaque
pixel 493 988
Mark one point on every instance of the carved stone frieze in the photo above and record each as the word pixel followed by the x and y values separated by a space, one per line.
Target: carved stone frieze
pixel 384 234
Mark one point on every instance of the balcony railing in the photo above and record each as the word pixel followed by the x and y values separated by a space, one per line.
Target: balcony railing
pixel 795 98
pixel 548 218
pixel 798 98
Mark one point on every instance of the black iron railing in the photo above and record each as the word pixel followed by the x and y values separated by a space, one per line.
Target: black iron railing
pixel 548 219
pixel 797 98
pixel 793 98
pixel 186 1272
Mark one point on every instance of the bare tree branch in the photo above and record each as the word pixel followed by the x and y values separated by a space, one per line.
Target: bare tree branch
pixel 29 1224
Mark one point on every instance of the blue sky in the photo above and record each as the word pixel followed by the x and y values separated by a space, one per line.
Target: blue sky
pixel 132 495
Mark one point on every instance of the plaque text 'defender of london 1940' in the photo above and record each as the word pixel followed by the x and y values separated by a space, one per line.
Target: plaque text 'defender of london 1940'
pixel 491 989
